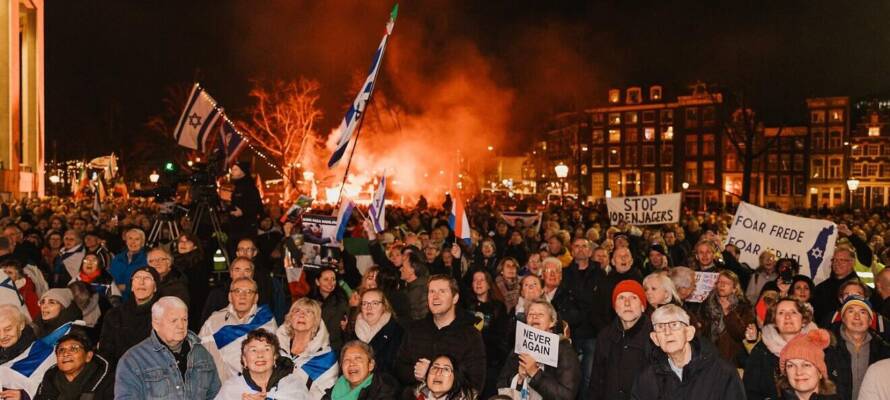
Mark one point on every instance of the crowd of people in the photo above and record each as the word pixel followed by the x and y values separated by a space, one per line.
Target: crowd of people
pixel 431 316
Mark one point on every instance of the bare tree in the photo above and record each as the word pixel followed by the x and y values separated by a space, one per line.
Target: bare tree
pixel 283 121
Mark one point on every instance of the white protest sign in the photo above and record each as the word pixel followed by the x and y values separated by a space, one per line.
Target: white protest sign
pixel 645 210
pixel 808 241
pixel 704 284
pixel 529 219
pixel 542 346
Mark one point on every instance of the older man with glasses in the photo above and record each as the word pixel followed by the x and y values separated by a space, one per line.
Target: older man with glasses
pixel 684 367
pixel 173 281
pixel 225 330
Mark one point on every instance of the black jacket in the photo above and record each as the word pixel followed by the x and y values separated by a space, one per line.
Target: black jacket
pixel 68 314
pixel 175 284
pixel 707 376
pixel 383 387
pixel 385 344
pixel 460 339
pixel 97 382
pixel 619 351
pixel 196 269
pixel 333 309
pixel 27 337
pixel 824 298
pixel 761 372
pixel 838 360
pixel 246 197
pixel 124 327
pixel 559 383
pixel 790 395
pixel 585 285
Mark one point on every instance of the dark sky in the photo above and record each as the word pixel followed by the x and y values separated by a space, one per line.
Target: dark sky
pixel 109 63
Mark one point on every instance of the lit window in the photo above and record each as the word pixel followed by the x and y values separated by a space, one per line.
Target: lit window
pixel 597 136
pixel 817 117
pixel 692 173
pixel 874 131
pixel 614 96
pixel 836 115
pixel 614 118
pixel 614 135
pixel 708 172
pixel 707 147
pixel 655 93
pixel 691 145
pixel 649 134
pixel 630 117
pixel 668 134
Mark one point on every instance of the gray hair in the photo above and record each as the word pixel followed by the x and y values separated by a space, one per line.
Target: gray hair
pixel 546 304
pixel 139 232
pixel 11 312
pixel 245 279
pixel 683 277
pixel 366 348
pixel 161 249
pixel 551 260
pixel 670 313
pixel 166 303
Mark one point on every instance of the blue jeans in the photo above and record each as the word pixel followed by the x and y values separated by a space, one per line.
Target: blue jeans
pixel 585 349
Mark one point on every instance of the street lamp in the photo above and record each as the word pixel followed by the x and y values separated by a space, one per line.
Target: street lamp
pixel 154 177
pixel 685 185
pixel 54 179
pixel 852 184
pixel 562 171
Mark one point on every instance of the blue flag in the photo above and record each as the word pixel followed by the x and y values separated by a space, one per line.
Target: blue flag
pixel 357 109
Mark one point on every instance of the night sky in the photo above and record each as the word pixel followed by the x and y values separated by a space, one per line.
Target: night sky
pixel 110 63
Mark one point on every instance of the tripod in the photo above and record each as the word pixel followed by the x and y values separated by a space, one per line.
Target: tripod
pixel 204 208
pixel 166 219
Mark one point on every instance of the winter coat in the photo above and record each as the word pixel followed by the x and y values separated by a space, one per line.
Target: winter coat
pixel 174 284
pixel 560 383
pixel 416 293
pixel 460 339
pixel 761 372
pixel 95 383
pixel 316 367
pixel 706 376
pixel 383 387
pixel 246 197
pixel 729 341
pixel 838 360
pixel 134 320
pixel 617 352
pixel 824 298
pixel 122 267
pixel 333 309
pixel 68 314
pixel 585 285
pixel 196 269
pixel 385 344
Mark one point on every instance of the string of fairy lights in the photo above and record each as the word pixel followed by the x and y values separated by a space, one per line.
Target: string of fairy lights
pixel 266 159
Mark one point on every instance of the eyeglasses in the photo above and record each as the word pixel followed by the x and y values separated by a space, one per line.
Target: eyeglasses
pixel 158 260
pixel 69 350
pixel 372 303
pixel 673 326
pixel 242 292
pixel 443 370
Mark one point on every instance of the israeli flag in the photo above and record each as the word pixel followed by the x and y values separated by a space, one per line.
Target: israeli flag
pixel 224 341
pixel 197 119
pixel 377 209
pixel 357 109
pixel 343 216
pixel 26 371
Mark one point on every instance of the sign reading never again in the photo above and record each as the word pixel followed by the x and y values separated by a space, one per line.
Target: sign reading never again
pixel 542 346
pixel 645 210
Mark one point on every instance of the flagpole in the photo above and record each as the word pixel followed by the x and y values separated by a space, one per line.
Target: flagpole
pixel 358 131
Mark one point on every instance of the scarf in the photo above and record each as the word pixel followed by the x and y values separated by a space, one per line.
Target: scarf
pixel 88 278
pixel 365 331
pixel 715 312
pixel 342 390
pixel 90 310
pixel 774 341
pixel 73 390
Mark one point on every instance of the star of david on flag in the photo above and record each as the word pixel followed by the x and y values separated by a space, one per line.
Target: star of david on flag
pixel 197 119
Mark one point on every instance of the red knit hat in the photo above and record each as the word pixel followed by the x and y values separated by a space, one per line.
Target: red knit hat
pixel 629 285
pixel 808 346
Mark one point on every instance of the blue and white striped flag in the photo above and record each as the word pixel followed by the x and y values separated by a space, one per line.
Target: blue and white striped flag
pixel 357 109
pixel 26 371
pixel 224 342
pixel 197 119
pixel 343 216
pixel 377 209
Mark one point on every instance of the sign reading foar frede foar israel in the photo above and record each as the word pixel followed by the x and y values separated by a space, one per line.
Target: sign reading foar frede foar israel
pixel 645 210
pixel 808 241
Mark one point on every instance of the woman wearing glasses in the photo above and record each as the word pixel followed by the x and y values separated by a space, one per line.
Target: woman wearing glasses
pixel 265 374
pixel 79 373
pixel 376 325
pixel 684 366
pixel 444 381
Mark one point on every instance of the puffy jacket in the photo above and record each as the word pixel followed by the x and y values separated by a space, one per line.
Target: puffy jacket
pixel 460 339
pixel 560 383
pixel 149 371
pixel 617 352
pixel 98 383
pixel 706 376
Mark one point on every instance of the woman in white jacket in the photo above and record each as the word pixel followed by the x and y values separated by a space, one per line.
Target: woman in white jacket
pixel 266 374
pixel 305 340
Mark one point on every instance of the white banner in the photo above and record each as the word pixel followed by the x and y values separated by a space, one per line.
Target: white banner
pixel 808 241
pixel 542 346
pixel 529 219
pixel 645 210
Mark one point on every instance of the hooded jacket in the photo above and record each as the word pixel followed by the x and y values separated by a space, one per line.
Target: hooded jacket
pixel 460 339
pixel 706 376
